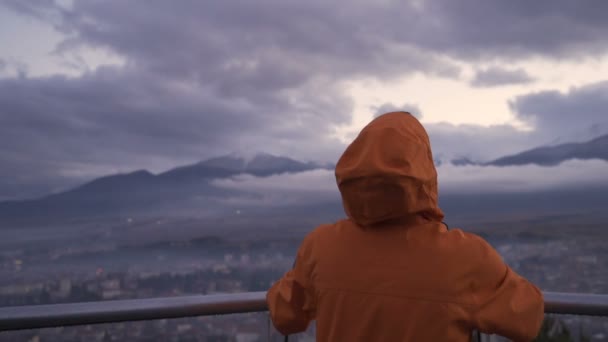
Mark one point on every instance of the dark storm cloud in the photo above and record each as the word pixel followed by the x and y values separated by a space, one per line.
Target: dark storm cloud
pixel 497 76
pixel 577 115
pixel 386 35
pixel 243 46
pixel 345 31
pixel 390 107
pixel 207 77
pixel 505 28
pixel 132 119
pixel 41 9
pixel 199 80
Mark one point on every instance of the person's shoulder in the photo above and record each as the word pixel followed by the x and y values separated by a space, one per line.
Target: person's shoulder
pixel 323 230
pixel 470 244
pixel 327 233
pixel 314 242
pixel 465 237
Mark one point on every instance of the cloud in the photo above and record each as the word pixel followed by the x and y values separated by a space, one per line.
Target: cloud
pixel 477 143
pixel 529 178
pixel 117 120
pixel 244 47
pixel 374 32
pixel 222 78
pixel 390 107
pixel 304 40
pixel 12 69
pixel 206 77
pixel 113 120
pixel 320 185
pixel 315 181
pixel 578 115
pixel 304 187
pixel 40 9
pixel 497 76
pixel 509 29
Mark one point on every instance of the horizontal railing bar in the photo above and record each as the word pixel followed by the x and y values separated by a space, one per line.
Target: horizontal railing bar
pixel 55 315
pixel 576 304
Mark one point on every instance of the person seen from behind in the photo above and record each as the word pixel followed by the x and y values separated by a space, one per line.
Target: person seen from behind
pixel 392 271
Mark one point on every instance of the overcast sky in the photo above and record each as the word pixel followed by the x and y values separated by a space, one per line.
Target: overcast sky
pixel 89 87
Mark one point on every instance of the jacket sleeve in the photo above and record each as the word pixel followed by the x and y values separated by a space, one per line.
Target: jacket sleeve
pixel 291 300
pixel 506 303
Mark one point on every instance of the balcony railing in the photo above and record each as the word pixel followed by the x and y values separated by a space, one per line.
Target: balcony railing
pixel 55 315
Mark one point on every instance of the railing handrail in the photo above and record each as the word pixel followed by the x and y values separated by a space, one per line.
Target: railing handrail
pixel 114 311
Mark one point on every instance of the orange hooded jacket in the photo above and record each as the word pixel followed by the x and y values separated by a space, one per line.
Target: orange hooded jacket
pixel 392 271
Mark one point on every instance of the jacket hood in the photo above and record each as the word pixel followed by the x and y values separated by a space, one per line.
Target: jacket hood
pixel 387 173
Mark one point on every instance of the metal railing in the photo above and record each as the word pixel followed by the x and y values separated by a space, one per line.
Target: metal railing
pixel 55 315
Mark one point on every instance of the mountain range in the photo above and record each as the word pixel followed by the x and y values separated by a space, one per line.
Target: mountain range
pixel 548 155
pixel 190 190
pixel 554 155
pixel 261 165
pixel 183 189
